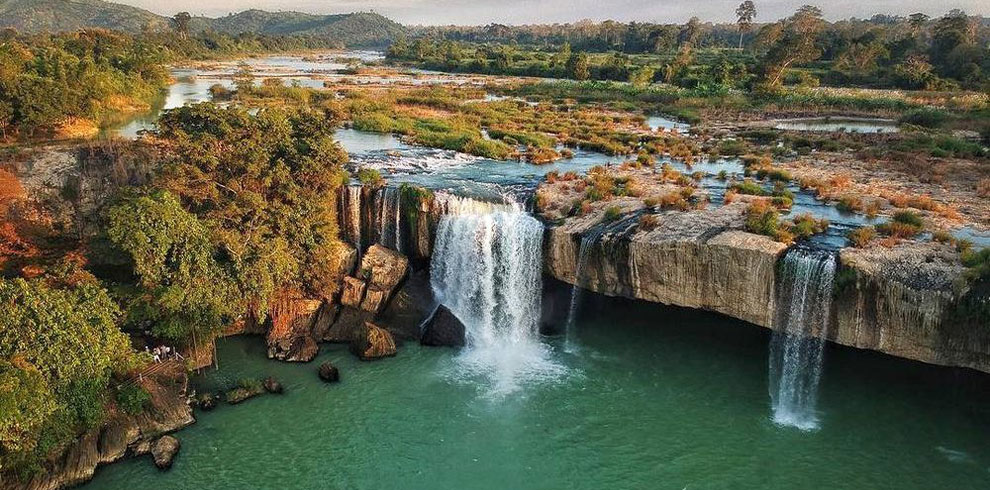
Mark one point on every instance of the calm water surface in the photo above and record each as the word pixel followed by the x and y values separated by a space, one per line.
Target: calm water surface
pixel 654 398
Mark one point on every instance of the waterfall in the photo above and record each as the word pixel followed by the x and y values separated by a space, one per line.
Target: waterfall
pixel 487 268
pixel 803 300
pixel 587 242
pixel 389 216
pixel 350 215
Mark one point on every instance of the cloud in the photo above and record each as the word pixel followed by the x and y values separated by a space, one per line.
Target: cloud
pixel 544 11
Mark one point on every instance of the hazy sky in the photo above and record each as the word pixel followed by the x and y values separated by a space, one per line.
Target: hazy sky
pixel 539 11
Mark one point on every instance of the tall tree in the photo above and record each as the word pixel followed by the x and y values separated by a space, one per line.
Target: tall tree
pixel 793 40
pixel 745 14
pixel 180 22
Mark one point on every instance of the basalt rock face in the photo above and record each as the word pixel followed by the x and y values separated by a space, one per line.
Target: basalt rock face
pixel 697 259
pixel 373 342
pixel 290 336
pixel 906 301
pixel 410 307
pixel 121 435
pixel 444 329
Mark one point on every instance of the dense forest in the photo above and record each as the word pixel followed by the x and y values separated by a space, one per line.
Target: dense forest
pixel 915 52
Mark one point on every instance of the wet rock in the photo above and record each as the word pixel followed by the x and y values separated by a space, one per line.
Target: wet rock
pixel 206 401
pixel 348 323
pixel 296 349
pixel 353 292
pixel 373 342
pixel 412 305
pixel 290 337
pixel 164 450
pixel 328 372
pixel 444 329
pixel 272 385
pixel 247 390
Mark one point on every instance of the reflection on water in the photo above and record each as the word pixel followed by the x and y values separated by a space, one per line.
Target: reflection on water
pixel 851 125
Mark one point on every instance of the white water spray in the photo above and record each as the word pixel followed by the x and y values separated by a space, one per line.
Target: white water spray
pixel 803 302
pixel 487 268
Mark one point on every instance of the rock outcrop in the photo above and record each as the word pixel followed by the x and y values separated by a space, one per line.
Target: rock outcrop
pixel 904 301
pixel 411 306
pixel 328 372
pixel 373 342
pixel 163 451
pixel 444 329
pixel 697 259
pixel 120 435
pixel 290 336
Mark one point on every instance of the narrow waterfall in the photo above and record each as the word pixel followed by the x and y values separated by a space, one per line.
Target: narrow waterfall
pixel 389 215
pixel 589 239
pixel 350 215
pixel 803 300
pixel 487 268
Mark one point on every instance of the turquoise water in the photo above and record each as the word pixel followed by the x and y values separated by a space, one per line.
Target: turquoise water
pixel 655 398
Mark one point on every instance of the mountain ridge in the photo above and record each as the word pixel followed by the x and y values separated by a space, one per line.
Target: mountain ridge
pixel 36 16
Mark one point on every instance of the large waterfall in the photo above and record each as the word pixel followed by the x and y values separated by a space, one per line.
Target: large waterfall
pixel 389 217
pixel 487 268
pixel 803 300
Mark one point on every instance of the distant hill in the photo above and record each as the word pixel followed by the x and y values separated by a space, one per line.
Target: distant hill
pixel 68 15
pixel 356 29
pixel 360 28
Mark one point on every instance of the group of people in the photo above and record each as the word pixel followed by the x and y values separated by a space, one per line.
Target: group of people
pixel 162 353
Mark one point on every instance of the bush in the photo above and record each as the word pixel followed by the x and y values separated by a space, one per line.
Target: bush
pixel 860 237
pixel 132 399
pixel 748 187
pixel 762 219
pixel 612 213
pixel 850 204
pixel 926 118
pixel 370 177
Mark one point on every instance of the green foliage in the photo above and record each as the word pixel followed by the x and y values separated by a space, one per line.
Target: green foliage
pixel 59 344
pixel 370 177
pixel 186 291
pixel 612 213
pixel 978 263
pixel 264 187
pixel 926 118
pixel 132 399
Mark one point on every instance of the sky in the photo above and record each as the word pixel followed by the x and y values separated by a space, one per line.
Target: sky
pixel 479 12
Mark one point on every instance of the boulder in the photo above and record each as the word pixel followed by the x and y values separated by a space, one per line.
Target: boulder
pixel 295 349
pixel 206 401
pixel 347 324
pixel 324 320
pixel 444 329
pixel 353 292
pixel 373 342
pixel 384 268
pixel 328 372
pixel 163 451
pixel 272 385
pixel 412 305
pixel 374 300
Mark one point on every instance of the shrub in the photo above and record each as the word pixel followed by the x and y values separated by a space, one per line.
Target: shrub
pixel 850 204
pixel 370 177
pixel 762 219
pixel 132 399
pixel 983 188
pixel 926 118
pixel 612 213
pixel 649 222
pixel 909 218
pixel 748 187
pixel 860 237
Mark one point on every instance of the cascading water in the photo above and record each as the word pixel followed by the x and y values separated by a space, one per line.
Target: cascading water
pixel 487 268
pixel 350 215
pixel 803 300
pixel 389 211
pixel 587 242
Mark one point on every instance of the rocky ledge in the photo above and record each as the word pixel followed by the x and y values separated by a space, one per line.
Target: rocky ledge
pixel 119 436
pixel 907 301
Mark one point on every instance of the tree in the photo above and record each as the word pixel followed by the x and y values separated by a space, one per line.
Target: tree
pixel 186 291
pixel 793 40
pixel 180 22
pixel 642 77
pixel 562 55
pixel 578 67
pixel 745 14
